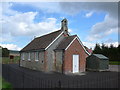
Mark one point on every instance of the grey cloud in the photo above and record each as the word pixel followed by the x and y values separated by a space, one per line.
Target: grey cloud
pixel 101 29
pixel 75 7
pixel 107 24
pixel 109 40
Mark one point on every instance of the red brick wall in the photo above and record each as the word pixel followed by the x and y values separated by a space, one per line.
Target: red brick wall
pixel 87 55
pixel 74 48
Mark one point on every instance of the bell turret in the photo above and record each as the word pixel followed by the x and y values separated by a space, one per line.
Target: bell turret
pixel 64 24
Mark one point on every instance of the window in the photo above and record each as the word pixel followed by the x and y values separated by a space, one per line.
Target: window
pixel 29 56
pixel 22 56
pixel 53 56
pixel 36 56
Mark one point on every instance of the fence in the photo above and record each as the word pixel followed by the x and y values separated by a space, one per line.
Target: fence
pixel 22 79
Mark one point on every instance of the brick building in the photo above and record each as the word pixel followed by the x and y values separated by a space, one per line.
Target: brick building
pixel 57 51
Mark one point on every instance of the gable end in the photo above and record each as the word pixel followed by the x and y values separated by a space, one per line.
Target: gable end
pixel 79 42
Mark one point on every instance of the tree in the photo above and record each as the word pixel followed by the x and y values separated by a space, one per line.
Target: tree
pixel 113 53
pixel 5 52
pixel 119 48
pixel 104 49
pixel 97 49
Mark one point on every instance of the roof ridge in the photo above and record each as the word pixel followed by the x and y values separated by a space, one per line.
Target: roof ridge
pixel 67 41
pixel 48 34
pixel 71 36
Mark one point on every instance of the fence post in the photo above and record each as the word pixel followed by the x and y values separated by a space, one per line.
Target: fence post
pixel 39 82
pixel 8 76
pixel 77 84
pixel 51 84
pixel 23 78
pixel 9 71
pixel 68 83
pixel 59 84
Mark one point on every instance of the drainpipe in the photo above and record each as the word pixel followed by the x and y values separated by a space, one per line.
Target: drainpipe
pixel 63 61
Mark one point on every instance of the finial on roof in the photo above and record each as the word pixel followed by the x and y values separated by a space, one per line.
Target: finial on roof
pixel 64 24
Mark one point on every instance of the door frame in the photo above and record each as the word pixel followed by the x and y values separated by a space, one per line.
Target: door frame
pixel 73 70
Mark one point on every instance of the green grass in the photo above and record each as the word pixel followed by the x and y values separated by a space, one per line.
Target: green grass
pixel 7 60
pixel 4 84
pixel 114 62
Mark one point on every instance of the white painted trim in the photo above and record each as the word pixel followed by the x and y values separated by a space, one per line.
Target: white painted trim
pixel 79 42
pixel 70 43
pixel 54 40
pixel 83 46
pixel 36 60
pixel 74 64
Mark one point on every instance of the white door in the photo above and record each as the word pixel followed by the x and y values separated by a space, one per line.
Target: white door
pixel 75 63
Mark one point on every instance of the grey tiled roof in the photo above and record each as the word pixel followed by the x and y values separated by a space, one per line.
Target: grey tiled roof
pixel 41 42
pixel 100 56
pixel 65 42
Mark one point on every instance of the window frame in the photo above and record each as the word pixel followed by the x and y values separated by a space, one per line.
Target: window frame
pixel 36 56
pixel 29 56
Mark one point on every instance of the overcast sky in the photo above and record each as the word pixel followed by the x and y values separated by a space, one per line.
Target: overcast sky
pixel 93 22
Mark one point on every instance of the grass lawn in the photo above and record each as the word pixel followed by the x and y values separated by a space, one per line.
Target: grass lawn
pixel 4 84
pixel 114 62
pixel 7 60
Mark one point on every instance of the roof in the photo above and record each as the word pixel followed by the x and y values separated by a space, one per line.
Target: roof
pixel 42 42
pixel 100 56
pixel 88 50
pixel 65 42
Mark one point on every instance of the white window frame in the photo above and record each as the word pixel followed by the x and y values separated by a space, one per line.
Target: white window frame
pixel 29 56
pixel 36 56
